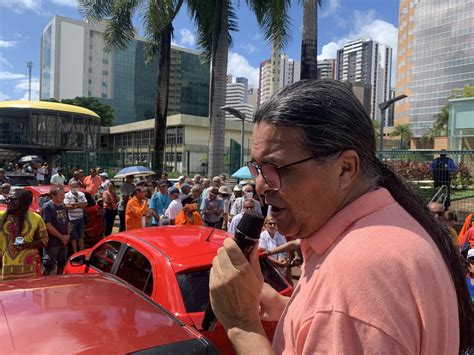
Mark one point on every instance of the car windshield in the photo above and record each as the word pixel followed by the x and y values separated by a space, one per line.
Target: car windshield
pixel 194 285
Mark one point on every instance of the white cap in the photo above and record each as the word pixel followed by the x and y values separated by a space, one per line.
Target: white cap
pixel 470 253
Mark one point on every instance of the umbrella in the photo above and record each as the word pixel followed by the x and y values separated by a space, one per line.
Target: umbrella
pixel 30 159
pixel 134 170
pixel 242 173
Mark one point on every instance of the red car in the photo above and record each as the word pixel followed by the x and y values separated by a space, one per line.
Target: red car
pixel 89 314
pixel 171 265
pixel 94 228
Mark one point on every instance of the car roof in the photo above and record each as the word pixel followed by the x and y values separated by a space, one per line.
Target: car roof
pixel 44 189
pixel 82 313
pixel 180 242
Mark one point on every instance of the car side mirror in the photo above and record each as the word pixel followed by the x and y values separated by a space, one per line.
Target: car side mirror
pixel 79 260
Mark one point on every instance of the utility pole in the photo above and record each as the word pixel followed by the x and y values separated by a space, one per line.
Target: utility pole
pixel 29 64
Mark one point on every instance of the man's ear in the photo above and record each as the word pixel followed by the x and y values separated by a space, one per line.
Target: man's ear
pixel 349 163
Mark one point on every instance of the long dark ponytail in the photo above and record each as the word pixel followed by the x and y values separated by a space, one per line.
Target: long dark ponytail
pixel 332 119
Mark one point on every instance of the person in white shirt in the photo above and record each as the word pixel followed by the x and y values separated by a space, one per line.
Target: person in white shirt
pixel 58 178
pixel 248 204
pixel 175 206
pixel 75 202
pixel 270 238
pixel 238 204
pixel 105 182
pixel 41 172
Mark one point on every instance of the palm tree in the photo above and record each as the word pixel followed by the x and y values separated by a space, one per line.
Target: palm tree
pixel 404 132
pixel 309 40
pixel 440 127
pixel 157 17
pixel 215 20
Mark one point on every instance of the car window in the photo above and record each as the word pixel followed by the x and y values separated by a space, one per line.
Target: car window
pixel 194 285
pixel 135 268
pixel 104 256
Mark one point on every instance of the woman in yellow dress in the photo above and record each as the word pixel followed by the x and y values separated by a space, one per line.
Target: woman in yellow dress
pixel 22 233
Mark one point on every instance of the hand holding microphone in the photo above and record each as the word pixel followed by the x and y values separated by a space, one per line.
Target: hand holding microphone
pixel 235 283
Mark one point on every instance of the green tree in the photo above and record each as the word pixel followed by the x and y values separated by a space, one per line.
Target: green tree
pixel 157 18
pixel 215 20
pixel 105 112
pixel 466 91
pixel 440 127
pixel 404 132
pixel 309 40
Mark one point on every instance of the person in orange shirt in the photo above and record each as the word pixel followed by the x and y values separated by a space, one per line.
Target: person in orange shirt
pixel 188 215
pixel 92 182
pixel 136 211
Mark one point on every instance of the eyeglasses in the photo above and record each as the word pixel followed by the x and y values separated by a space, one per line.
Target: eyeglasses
pixel 248 207
pixel 271 174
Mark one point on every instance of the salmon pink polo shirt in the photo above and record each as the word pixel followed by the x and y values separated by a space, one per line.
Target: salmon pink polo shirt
pixel 372 282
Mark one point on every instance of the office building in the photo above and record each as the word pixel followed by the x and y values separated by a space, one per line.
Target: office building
pixel 435 55
pixel 276 73
pixel 369 62
pixel 74 62
pixel 237 97
pixel 326 69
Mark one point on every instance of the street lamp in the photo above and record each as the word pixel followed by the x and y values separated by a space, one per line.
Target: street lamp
pixel 383 106
pixel 234 112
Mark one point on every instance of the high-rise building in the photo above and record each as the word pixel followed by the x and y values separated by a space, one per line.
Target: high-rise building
pixel 369 62
pixel 435 55
pixel 237 97
pixel 276 73
pixel 74 62
pixel 326 69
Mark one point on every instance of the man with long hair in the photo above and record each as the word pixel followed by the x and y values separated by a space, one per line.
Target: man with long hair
pixel 22 233
pixel 380 273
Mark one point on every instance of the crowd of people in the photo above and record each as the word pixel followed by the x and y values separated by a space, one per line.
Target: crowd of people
pixel 139 202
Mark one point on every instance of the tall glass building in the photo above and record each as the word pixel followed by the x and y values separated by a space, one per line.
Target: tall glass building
pixel 437 56
pixel 74 62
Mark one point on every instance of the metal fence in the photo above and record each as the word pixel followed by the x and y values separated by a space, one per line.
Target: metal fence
pixel 411 165
pixel 414 167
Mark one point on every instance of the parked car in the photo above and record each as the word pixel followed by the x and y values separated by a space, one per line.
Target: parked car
pixel 93 214
pixel 89 314
pixel 171 265
pixel 21 179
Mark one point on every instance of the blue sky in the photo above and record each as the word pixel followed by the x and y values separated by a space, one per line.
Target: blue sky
pixel 22 23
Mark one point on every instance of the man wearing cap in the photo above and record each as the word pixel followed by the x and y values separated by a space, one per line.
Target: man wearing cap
pixel 105 182
pixel 180 181
pixel 212 209
pixel 58 178
pixel 175 206
pixel 159 202
pixel 443 169
pixel 238 205
pixel 224 194
pixel 126 191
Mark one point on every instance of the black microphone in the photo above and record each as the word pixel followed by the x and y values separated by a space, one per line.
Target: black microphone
pixel 246 237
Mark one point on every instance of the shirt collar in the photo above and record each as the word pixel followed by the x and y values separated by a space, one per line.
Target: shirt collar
pixel 328 234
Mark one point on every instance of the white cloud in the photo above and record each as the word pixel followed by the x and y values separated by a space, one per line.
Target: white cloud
pixel 3 96
pixel 330 7
pixel 187 37
pixel 7 44
pixel 6 75
pixel 4 63
pixel 19 6
pixel 249 48
pixel 22 87
pixel 238 65
pixel 70 3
